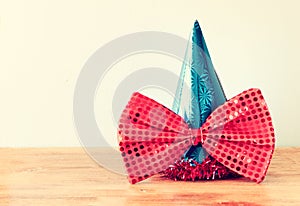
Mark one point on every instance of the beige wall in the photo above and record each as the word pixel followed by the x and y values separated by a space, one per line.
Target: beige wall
pixel 43 45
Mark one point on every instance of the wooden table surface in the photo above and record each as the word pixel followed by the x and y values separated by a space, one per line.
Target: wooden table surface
pixel 68 176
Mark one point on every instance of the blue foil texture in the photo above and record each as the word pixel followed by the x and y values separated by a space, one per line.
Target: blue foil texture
pixel 199 91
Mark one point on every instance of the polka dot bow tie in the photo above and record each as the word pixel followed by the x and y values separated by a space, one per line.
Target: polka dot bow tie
pixel 239 134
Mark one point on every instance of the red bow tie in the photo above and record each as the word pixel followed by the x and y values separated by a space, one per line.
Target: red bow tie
pixel 239 134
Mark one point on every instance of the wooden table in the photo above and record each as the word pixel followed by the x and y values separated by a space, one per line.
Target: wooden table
pixel 68 176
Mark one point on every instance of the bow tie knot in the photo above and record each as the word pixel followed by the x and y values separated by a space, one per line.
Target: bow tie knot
pixel 196 136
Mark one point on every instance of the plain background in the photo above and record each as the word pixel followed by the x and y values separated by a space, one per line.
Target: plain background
pixel 44 44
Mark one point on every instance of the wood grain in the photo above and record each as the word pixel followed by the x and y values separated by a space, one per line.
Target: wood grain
pixel 68 176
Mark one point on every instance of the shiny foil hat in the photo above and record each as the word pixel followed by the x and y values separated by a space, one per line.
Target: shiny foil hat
pixel 198 93
pixel 204 136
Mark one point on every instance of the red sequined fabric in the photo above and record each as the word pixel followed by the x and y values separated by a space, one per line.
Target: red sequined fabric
pixel 239 135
